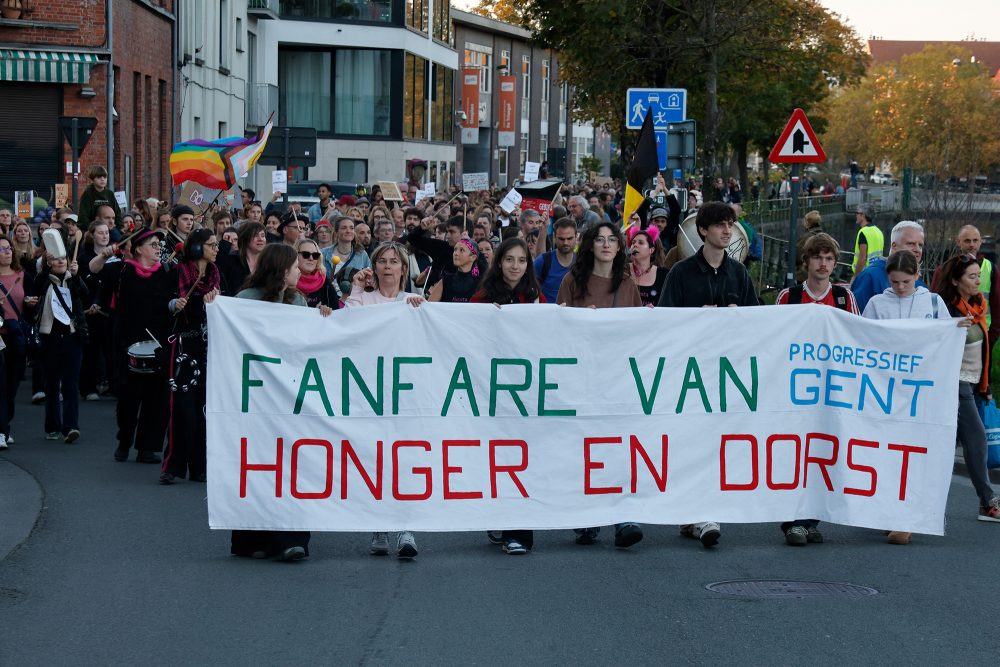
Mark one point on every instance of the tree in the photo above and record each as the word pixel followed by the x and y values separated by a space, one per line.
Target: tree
pixel 502 10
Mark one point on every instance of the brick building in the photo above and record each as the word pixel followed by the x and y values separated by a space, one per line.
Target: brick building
pixel 54 61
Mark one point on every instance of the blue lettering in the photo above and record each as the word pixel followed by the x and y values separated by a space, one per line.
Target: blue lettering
pixel 812 392
pixel 867 385
pixel 831 387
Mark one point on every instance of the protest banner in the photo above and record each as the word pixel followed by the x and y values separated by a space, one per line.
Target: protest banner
pixel 385 418
pixel 390 191
pixel 62 195
pixel 24 203
pixel 476 181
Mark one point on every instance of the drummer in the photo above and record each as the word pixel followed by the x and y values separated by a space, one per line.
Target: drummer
pixel 142 290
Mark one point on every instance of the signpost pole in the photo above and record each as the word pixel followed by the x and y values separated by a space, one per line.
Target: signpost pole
pixel 793 226
pixel 74 125
pixel 287 160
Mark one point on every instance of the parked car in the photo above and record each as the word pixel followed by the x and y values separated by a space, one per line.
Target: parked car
pixel 884 178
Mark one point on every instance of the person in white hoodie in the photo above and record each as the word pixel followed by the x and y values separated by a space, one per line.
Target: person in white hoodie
pixel 903 300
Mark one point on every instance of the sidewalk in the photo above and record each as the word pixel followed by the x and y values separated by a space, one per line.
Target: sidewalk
pixel 20 506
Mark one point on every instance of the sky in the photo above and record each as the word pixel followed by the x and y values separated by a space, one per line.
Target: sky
pixel 931 20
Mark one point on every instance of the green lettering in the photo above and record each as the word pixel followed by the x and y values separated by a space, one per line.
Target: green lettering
pixel 496 387
pixel 460 379
pixel 247 382
pixel 347 370
pixel 543 386
pixel 397 386
pixel 312 380
pixel 692 380
pixel 726 368
pixel 649 399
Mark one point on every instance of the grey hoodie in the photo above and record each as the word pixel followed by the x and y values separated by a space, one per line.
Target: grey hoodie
pixel 919 305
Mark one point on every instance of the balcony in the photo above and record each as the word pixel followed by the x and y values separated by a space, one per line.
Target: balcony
pixel 262 101
pixel 263 9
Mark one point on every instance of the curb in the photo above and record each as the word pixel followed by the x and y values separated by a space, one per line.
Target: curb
pixel 20 506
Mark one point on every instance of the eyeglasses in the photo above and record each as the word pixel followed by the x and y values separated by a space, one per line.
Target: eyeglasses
pixel 606 240
pixel 309 255
pixel 214 244
pixel 5 251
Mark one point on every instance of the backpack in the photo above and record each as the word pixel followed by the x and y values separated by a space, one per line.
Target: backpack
pixel 546 266
pixel 840 297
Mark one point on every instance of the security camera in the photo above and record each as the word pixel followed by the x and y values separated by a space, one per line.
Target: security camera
pixel 462 115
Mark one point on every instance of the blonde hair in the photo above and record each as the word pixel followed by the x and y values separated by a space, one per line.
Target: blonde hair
pixel 812 220
pixel 404 259
pixel 321 265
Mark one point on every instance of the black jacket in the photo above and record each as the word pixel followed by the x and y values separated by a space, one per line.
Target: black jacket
pixel 693 283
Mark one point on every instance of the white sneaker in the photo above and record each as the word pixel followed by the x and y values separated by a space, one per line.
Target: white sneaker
pixel 92 396
pixel 38 397
pixel 380 544
pixel 3 441
pixel 10 439
pixel 708 532
pixel 406 546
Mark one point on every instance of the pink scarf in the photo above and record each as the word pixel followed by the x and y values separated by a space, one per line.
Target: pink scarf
pixel 309 283
pixel 142 270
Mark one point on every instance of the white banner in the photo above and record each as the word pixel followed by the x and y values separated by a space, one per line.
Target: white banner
pixel 442 418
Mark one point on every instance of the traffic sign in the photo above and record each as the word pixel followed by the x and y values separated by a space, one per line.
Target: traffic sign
pixel 669 105
pixel 661 148
pixel 797 143
pixel 84 129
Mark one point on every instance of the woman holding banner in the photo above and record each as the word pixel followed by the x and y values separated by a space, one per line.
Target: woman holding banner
pixel 960 290
pixel 16 296
pixel 314 283
pixel 274 280
pixel 198 282
pixel 599 279
pixel 386 283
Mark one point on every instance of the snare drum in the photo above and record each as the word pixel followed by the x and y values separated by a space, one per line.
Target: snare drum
pixel 142 356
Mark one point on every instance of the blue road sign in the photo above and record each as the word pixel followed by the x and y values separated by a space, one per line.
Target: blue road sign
pixel 678 174
pixel 661 148
pixel 669 105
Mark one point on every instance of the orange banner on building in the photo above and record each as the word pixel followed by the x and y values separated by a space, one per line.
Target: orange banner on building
pixel 507 128
pixel 470 105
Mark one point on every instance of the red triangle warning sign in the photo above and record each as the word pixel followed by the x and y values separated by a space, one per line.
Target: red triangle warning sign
pixel 797 142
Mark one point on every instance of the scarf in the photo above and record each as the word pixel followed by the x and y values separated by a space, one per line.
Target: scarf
pixel 978 314
pixel 310 283
pixel 475 255
pixel 188 276
pixel 141 270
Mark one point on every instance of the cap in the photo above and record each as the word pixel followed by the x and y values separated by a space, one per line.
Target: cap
pixel 145 234
pixel 347 200
pixel 179 210
pixel 659 213
pixel 72 216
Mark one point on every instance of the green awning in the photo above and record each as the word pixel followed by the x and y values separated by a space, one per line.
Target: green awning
pixel 46 66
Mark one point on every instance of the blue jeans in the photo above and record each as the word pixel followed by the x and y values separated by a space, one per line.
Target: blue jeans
pixel 61 358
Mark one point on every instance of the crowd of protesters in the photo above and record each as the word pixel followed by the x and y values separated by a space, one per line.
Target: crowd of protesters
pixel 111 303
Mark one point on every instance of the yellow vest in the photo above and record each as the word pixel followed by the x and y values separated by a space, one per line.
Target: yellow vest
pixel 985 282
pixel 873 239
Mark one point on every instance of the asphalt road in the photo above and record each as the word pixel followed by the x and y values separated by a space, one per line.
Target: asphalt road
pixel 119 570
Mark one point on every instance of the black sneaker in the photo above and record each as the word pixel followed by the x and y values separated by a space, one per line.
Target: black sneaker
pixel 495 536
pixel 71 436
pixel 121 453
pixel 813 536
pixel 147 457
pixel 627 535
pixel 587 535
pixel 167 478
pixel 513 547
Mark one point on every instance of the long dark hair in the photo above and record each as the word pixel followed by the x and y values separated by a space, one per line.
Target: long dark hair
pixel 496 288
pixel 245 235
pixel 583 267
pixel 952 270
pixel 273 263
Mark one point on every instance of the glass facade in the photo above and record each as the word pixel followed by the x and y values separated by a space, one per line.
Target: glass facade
pixel 443 104
pixel 378 11
pixel 414 97
pixel 416 14
pixel 342 91
pixel 442 21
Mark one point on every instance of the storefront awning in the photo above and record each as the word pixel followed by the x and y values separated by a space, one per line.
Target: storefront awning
pixel 46 66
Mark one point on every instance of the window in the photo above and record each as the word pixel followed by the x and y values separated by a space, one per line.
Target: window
pixel 442 20
pixel 545 90
pixel 582 147
pixel 443 104
pixel 344 91
pixel 502 171
pixel 481 61
pixel 239 34
pixel 525 86
pixel 223 33
pixel 304 89
pixel 378 11
pixel 351 170
pixel 544 141
pixel 414 97
pixel 416 14
pixel 524 151
pixel 504 59
pixel 362 92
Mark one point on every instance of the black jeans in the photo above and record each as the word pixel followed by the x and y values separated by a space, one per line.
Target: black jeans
pixel 61 356
pixel 11 373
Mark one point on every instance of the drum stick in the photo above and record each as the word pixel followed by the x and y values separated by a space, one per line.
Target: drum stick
pixel 153 338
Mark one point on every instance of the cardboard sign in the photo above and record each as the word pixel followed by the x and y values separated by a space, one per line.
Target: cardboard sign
pixel 476 181
pixel 430 189
pixel 531 171
pixel 24 202
pixel 279 181
pixel 511 201
pixel 62 195
pixel 122 199
pixel 390 191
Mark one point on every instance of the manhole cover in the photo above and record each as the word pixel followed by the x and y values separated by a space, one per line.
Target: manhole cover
pixel 776 588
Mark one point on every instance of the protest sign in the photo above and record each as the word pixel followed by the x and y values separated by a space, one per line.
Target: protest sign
pixel 476 181
pixel 279 181
pixel 62 195
pixel 430 189
pixel 24 202
pixel 390 191
pixel 531 171
pixel 511 201
pixel 384 418
pixel 122 199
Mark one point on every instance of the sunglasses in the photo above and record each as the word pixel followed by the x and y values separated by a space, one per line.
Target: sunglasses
pixel 309 255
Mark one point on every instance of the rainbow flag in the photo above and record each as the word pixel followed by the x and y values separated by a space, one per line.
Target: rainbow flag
pixel 217 164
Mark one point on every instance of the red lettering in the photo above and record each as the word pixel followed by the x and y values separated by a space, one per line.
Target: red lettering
pixel 328 489
pixel 635 447
pixel 821 462
pixel 260 467
pixel 907 450
pixel 347 451
pixel 589 465
pixel 510 470
pixel 426 472
pixel 448 470
pixel 860 468
pixel 771 439
pixel 724 483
